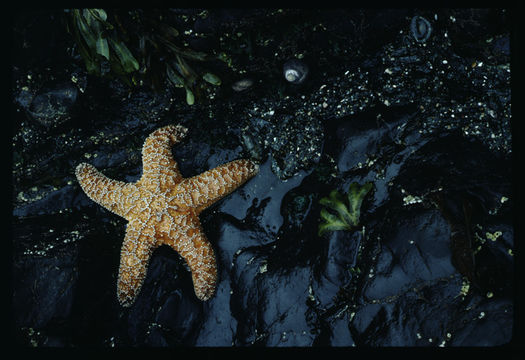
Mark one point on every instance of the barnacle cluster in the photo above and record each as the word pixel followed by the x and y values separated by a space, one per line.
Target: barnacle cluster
pixel 138 46
pixel 348 208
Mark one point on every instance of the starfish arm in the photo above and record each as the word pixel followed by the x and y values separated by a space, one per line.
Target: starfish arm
pixel 188 239
pixel 207 188
pixel 163 208
pixel 109 193
pixel 136 251
pixel 157 159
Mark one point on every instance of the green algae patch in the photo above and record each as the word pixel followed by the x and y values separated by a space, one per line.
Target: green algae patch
pixel 348 208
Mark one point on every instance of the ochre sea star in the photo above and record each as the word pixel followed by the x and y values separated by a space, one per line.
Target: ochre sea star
pixel 162 207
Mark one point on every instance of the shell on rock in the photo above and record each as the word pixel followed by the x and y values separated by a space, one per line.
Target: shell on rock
pixel 295 71
pixel 421 28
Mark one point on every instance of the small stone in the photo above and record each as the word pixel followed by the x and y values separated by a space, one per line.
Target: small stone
pixel 481 315
pixel 242 85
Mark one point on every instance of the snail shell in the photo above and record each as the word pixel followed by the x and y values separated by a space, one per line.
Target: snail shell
pixel 295 71
pixel 421 28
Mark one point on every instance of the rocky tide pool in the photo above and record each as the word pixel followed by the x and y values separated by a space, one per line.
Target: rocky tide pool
pixel 416 103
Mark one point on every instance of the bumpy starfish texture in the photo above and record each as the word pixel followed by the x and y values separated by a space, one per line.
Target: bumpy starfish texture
pixel 162 207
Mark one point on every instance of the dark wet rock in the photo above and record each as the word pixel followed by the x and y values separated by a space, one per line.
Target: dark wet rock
pixel 293 141
pixel 44 200
pixel 409 318
pixel 416 250
pixel 50 106
pixel 489 324
pixel 278 299
pixel 51 300
pixel 176 316
pixel 423 259
pixel 431 264
pixel 336 268
pixel 502 45
pixel 45 275
pixel 463 194
pixel 140 107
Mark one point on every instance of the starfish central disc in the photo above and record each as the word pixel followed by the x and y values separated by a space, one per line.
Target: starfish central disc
pixel 162 208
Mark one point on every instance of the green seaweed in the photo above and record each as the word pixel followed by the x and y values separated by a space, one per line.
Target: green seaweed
pixel 139 47
pixel 348 208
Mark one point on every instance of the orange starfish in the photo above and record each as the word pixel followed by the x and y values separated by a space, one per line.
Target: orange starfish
pixel 163 208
